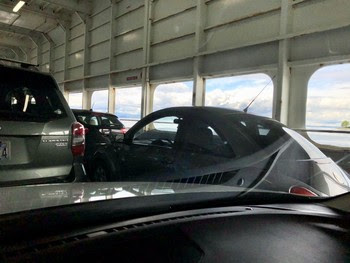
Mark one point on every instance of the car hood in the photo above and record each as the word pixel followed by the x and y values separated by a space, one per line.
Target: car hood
pixel 24 198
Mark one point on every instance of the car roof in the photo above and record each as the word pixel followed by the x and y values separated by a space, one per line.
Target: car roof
pixel 77 111
pixel 23 69
pixel 204 111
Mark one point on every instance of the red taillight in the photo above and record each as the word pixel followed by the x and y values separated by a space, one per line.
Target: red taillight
pixel 78 139
pixel 299 190
pixel 123 130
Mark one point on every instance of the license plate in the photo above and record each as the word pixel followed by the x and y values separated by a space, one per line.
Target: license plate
pixel 4 150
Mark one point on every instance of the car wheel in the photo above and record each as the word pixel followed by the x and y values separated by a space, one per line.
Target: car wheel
pixel 101 172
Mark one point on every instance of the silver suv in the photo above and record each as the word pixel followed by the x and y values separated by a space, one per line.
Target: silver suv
pixel 40 140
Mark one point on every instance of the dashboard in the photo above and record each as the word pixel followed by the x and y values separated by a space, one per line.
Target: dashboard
pixel 257 233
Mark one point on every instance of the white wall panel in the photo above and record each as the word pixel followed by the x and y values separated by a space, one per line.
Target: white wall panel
pixel 130 21
pixel 59 64
pixel 127 5
pixel 129 60
pixel 45 57
pixel 76 44
pixel 74 86
pixel 59 76
pixel 122 79
pixel 45 46
pixel 175 70
pixel 174 26
pixel 129 41
pixel 223 11
pixel 99 34
pixel 77 30
pixel 99 51
pixel 57 35
pixel 98 83
pixel 164 8
pixel 330 43
pixel 100 18
pixel 75 19
pixel 74 73
pixel 254 56
pixel 320 14
pixel 253 29
pixel 76 59
pixel 173 49
pixel 59 51
pixel 100 5
pixel 99 67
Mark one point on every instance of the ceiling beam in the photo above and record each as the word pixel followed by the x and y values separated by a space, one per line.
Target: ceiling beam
pixel 5 53
pixel 10 41
pixel 33 9
pixel 20 30
pixel 21 54
pixel 84 7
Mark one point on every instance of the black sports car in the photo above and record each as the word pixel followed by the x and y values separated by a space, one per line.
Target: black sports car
pixel 205 145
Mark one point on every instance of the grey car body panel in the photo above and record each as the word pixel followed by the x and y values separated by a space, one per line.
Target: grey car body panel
pixel 40 150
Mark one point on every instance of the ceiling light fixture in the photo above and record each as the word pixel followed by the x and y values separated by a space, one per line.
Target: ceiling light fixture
pixel 18 6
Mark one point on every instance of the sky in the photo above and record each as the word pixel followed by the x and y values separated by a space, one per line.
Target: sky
pixel 328 101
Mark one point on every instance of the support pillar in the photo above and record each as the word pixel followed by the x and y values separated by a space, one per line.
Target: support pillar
pixel 198 95
pixel 281 89
pixel 111 99
pixel 87 95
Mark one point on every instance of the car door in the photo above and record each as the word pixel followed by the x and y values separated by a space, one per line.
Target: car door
pixel 151 153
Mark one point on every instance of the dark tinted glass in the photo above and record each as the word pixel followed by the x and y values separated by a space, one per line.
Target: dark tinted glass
pixel 28 96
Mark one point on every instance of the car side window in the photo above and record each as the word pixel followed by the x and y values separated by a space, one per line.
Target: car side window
pixel 203 138
pixel 160 132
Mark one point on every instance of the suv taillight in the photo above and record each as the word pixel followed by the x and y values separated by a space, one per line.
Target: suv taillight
pixel 78 139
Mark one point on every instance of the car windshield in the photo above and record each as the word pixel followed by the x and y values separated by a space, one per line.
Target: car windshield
pixel 105 99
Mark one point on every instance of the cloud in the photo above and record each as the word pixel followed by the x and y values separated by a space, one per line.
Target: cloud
pixel 99 101
pixel 75 100
pixel 328 107
pixel 328 102
pixel 173 94
pixel 128 102
pixel 238 91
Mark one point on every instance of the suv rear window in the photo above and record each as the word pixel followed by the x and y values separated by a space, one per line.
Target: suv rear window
pixel 111 121
pixel 28 96
pixel 98 119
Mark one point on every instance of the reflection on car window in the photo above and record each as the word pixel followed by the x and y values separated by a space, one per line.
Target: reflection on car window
pixel 161 132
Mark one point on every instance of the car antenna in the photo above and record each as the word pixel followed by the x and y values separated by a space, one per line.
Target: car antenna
pixel 246 108
pixel 93 104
